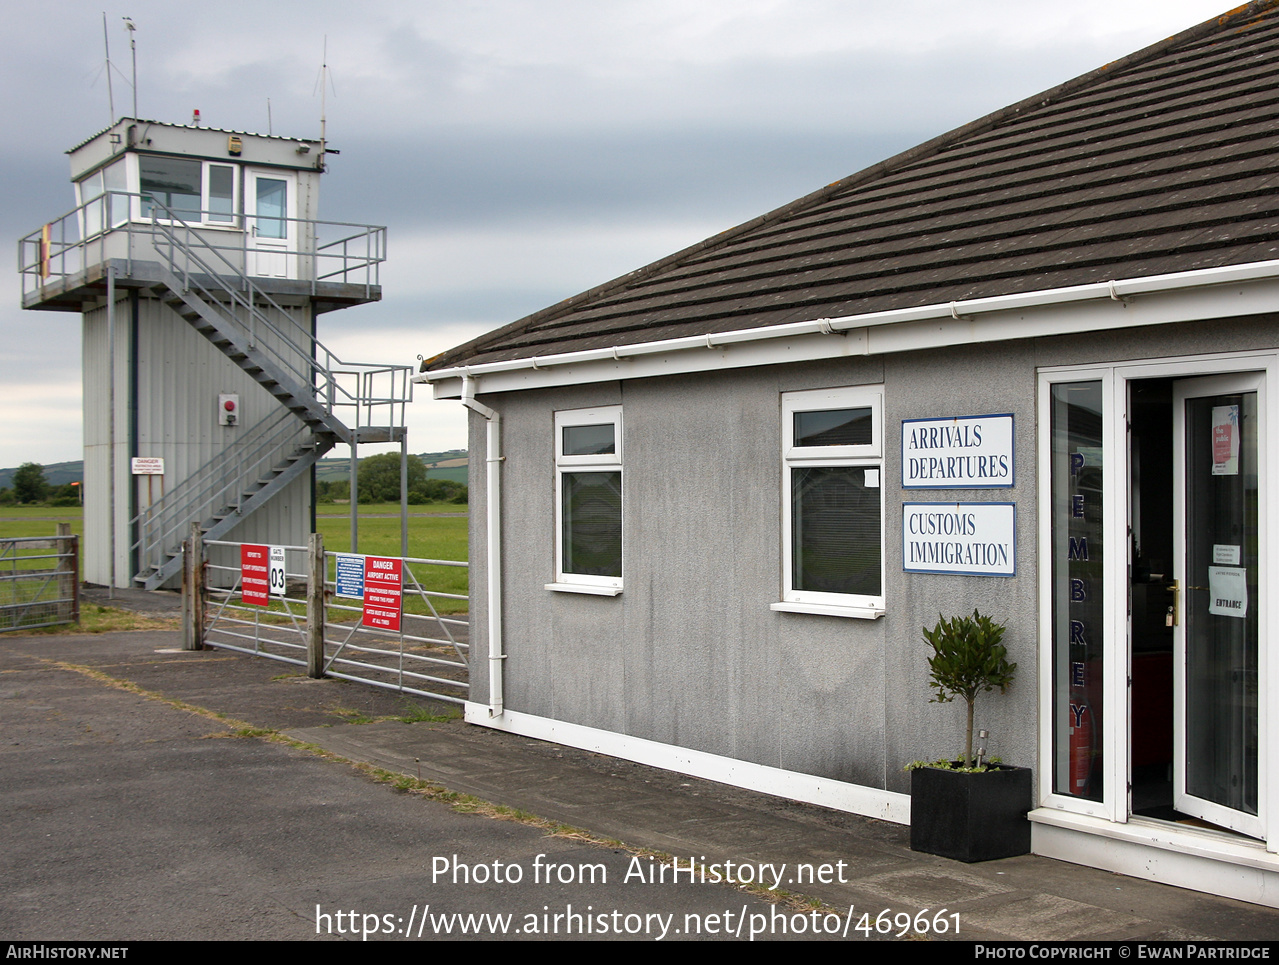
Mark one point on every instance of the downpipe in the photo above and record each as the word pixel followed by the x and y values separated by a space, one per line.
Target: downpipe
pixel 493 511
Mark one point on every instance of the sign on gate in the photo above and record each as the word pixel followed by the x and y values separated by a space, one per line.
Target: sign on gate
pixel 350 576
pixel 383 592
pixel 279 582
pixel 255 584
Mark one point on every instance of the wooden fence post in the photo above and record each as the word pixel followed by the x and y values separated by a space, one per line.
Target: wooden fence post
pixel 68 585
pixel 193 638
pixel 315 575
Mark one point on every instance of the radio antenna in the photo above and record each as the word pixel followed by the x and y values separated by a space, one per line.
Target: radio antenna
pixel 324 90
pixel 133 46
pixel 106 43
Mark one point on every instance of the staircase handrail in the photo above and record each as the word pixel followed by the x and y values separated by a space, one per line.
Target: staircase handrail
pixel 320 361
pixel 218 484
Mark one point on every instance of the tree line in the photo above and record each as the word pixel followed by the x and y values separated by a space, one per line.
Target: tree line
pixel 30 487
pixel 378 479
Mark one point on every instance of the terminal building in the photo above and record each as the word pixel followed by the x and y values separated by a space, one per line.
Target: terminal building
pixel 1029 367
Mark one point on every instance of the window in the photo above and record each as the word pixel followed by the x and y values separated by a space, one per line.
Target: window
pixel 833 502
pixel 588 501
pixel 103 195
pixel 195 191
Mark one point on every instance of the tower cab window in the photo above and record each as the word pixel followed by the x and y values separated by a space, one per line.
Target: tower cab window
pixel 197 192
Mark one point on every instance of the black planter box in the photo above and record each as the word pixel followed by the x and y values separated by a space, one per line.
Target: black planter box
pixel 970 817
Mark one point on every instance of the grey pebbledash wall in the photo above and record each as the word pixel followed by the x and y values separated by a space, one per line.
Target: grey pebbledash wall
pixel 690 653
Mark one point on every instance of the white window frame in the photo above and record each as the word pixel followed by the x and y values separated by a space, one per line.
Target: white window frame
pixel 870 456
pixel 206 220
pixel 112 209
pixel 567 582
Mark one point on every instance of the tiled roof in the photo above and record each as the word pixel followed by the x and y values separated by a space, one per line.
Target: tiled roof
pixel 1165 161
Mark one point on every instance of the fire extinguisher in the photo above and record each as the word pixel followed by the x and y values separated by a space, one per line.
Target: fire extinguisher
pixel 1081 736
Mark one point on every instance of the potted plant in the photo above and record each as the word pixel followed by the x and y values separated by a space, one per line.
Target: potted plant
pixel 970 811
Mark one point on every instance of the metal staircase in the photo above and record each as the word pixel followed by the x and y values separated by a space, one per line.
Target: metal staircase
pixel 325 400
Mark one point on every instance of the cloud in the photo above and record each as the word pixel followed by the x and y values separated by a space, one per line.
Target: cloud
pixel 519 152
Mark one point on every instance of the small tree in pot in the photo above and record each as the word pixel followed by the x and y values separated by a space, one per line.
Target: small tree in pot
pixel 967 659
pixel 957 810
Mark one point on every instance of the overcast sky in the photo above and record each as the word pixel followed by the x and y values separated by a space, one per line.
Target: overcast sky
pixel 520 151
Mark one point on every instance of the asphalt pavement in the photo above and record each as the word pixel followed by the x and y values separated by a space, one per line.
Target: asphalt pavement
pixel 156 793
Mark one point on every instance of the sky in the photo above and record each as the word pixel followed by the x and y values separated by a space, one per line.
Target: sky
pixel 519 151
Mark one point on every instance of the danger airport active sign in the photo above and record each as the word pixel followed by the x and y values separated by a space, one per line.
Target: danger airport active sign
pixel 383 592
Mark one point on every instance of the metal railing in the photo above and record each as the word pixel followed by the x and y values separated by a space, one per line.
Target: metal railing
pixel 82 237
pixel 343 396
pixel 204 270
pixel 308 626
pixel 39 581
pixel 113 225
pixel 277 633
pixel 425 652
pixel 220 486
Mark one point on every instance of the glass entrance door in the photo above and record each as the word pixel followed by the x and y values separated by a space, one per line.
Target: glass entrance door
pixel 1217 460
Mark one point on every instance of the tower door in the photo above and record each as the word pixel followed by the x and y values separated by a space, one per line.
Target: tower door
pixel 1218 760
pixel 270 203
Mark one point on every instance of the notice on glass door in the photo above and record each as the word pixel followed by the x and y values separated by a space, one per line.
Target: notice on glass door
pixel 1228 589
pixel 1225 440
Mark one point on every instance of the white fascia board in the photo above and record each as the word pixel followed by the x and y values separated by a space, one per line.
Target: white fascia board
pixel 1159 299
pixel 809 788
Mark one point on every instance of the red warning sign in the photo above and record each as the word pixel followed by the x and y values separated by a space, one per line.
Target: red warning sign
pixel 255 576
pixel 383 592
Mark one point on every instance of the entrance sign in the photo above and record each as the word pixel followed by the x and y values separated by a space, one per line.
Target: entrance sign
pixel 958 452
pixel 1228 591
pixel 383 592
pixel 965 539
pixel 254 576
pixel 350 576
pixel 276 578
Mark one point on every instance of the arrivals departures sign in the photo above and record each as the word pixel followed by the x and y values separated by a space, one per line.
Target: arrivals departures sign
pixel 255 585
pixel 383 592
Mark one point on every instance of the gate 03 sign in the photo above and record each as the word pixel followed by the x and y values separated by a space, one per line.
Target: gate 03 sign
pixel 383 592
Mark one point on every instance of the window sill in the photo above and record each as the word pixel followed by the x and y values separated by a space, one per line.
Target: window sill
pixel 586 588
pixel 827 610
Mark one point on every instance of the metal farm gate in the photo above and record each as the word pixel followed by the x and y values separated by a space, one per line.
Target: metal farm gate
pixel 39 580
pixel 305 623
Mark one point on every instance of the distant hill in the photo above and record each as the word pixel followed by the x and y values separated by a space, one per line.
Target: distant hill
pixel 439 465
pixel 55 474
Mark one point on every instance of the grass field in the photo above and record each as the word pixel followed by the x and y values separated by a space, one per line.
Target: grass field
pixel 430 537
pixel 39 520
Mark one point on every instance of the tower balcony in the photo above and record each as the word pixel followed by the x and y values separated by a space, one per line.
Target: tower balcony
pixel 64 263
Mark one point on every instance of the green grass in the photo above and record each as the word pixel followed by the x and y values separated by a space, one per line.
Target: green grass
pixel 434 537
pixel 39 520
pixel 430 537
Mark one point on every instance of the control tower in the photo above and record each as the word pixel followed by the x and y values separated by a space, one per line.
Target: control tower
pixel 198 267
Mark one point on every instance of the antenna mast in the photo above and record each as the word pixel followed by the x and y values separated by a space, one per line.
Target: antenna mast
pixel 106 43
pixel 133 46
pixel 324 85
